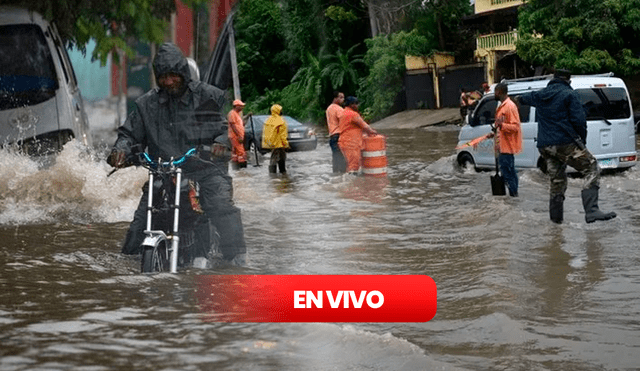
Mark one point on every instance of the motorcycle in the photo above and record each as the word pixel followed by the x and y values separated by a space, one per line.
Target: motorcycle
pixel 173 202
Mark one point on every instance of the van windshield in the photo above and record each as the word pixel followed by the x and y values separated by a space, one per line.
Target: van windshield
pixel 605 103
pixel 27 72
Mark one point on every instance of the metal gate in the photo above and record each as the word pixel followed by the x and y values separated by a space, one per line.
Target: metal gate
pixel 455 78
pixel 419 91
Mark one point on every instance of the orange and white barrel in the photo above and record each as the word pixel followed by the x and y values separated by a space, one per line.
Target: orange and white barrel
pixel 374 156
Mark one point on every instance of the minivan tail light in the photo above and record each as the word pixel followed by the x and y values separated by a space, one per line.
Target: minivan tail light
pixel 600 85
pixel 627 158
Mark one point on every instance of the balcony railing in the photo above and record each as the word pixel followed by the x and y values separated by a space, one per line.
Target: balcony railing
pixel 504 40
pixel 501 2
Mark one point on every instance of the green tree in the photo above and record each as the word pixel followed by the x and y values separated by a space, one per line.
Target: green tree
pixel 342 69
pixel 109 22
pixel 584 36
pixel 309 81
pixel 385 59
pixel 263 61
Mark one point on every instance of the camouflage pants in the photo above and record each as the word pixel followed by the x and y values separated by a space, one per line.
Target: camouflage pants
pixel 558 157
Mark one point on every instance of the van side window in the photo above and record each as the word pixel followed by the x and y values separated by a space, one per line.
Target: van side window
pixel 605 103
pixel 523 110
pixel 485 113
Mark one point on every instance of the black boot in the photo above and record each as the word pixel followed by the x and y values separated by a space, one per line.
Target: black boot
pixel 242 165
pixel 231 232
pixel 590 203
pixel 272 169
pixel 282 167
pixel 556 208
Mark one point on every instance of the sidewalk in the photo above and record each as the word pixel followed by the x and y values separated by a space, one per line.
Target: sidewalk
pixel 419 118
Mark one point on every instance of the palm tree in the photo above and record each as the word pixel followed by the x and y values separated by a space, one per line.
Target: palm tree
pixel 309 79
pixel 342 68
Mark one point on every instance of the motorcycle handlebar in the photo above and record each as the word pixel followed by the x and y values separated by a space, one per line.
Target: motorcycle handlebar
pixel 147 160
pixel 143 159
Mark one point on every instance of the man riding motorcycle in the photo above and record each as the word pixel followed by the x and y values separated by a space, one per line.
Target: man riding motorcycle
pixel 169 120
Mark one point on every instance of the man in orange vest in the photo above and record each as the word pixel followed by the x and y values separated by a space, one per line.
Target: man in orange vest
pixel 236 135
pixel 352 125
pixel 333 113
pixel 509 137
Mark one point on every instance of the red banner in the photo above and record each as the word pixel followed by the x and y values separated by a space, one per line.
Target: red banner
pixel 317 298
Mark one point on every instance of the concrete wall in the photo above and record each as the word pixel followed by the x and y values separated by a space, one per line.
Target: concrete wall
pixel 94 80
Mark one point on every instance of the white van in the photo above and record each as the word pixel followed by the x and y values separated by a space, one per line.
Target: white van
pixel 610 125
pixel 40 103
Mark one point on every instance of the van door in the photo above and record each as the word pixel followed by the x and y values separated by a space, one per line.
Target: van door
pixel 480 121
pixel 610 126
pixel 529 155
pixel 79 121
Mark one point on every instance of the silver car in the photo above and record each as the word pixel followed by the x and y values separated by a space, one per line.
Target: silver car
pixel 610 124
pixel 40 103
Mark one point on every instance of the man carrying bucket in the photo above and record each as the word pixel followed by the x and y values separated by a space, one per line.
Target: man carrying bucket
pixel 509 137
pixel 351 127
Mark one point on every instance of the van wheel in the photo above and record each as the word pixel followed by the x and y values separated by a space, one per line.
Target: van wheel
pixel 465 160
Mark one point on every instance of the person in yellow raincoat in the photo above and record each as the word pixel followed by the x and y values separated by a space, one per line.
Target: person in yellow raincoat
pixel 274 136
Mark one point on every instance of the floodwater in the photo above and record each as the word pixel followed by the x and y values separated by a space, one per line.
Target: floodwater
pixel 515 291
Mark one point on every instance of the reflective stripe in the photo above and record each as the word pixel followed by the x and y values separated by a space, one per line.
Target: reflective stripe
pixel 378 170
pixel 374 153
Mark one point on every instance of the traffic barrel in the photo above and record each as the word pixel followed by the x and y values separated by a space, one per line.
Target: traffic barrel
pixel 374 156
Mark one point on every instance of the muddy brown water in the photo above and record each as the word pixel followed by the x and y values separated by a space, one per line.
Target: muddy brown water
pixel 515 292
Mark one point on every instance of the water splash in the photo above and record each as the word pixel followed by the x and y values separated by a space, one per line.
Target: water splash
pixel 74 187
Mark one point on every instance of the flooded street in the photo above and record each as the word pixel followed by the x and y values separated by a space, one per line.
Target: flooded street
pixel 515 291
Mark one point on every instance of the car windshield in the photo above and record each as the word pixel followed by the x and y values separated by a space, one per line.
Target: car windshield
pixel 605 103
pixel 31 81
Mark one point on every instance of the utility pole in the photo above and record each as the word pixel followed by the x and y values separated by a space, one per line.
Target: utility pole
pixel 234 60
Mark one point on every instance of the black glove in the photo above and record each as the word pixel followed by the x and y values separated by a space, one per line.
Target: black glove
pixel 117 158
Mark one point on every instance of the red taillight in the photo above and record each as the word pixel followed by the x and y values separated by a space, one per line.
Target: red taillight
pixel 627 158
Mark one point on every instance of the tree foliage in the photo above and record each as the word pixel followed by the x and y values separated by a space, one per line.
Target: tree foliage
pixel 292 52
pixel 109 22
pixel 299 51
pixel 584 36
pixel 385 58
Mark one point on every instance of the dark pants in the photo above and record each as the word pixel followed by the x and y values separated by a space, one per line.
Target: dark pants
pixel 509 173
pixel 558 157
pixel 339 164
pixel 216 199
pixel 278 158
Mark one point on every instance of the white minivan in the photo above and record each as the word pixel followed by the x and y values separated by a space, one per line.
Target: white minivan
pixel 610 125
pixel 40 103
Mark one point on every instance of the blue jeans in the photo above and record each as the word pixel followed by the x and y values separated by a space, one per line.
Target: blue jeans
pixel 509 173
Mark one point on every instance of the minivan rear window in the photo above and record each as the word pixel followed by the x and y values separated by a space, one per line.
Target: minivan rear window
pixel 27 72
pixel 605 103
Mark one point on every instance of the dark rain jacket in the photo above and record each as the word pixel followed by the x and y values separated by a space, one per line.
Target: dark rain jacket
pixel 168 126
pixel 559 114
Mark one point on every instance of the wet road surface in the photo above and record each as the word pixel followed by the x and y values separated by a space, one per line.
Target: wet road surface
pixel 515 291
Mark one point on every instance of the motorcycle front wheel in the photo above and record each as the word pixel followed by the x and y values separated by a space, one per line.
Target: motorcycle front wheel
pixel 155 258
